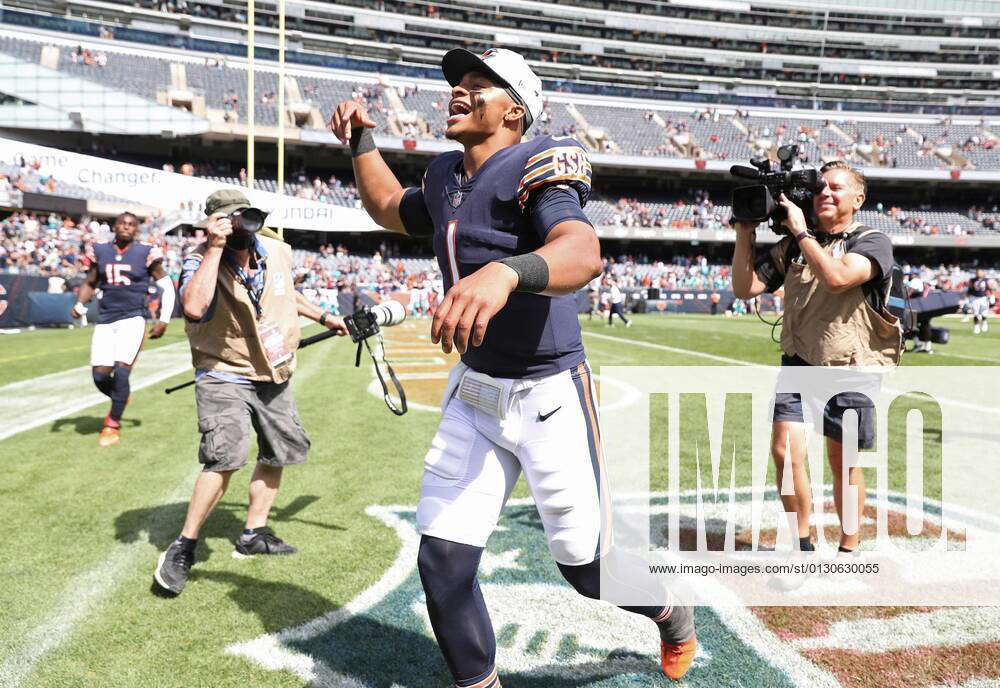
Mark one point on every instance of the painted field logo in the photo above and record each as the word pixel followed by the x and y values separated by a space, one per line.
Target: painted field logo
pixel 550 637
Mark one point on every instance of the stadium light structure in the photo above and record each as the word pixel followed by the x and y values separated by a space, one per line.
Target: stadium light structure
pixel 251 96
pixel 281 115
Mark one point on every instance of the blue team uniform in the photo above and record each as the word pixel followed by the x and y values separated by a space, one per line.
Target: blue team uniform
pixel 979 288
pixel 492 216
pixel 124 279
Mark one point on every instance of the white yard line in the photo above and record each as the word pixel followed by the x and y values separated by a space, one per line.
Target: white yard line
pixel 735 361
pixel 80 597
pixel 41 400
pixel 85 592
pixel 672 349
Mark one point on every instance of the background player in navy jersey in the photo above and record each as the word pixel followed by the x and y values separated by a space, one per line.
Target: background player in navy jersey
pixel 514 246
pixel 979 301
pixel 122 270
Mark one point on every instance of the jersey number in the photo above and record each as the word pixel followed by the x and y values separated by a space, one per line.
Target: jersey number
pixel 115 274
pixel 451 248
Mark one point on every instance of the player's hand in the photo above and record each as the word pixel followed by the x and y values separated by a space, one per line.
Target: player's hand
pixel 335 322
pixel 347 115
pixel 157 330
pixel 461 319
pixel 218 227
pixel 794 220
pixel 743 225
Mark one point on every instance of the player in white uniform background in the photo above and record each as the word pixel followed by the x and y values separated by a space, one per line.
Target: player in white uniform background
pixel 514 247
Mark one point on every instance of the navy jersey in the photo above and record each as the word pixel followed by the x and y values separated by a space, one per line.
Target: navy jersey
pixel 124 279
pixel 489 217
pixel 979 287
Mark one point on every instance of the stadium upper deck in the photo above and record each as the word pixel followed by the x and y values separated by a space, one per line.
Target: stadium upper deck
pixel 215 88
pixel 767 53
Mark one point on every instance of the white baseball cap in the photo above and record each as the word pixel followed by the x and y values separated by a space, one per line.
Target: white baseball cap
pixel 505 67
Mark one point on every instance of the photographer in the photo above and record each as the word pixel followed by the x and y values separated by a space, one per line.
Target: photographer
pixel 836 283
pixel 242 321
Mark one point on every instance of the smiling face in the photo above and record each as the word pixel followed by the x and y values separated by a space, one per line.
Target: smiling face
pixel 839 200
pixel 479 107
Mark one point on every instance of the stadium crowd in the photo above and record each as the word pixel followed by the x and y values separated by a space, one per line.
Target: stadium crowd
pixel 56 246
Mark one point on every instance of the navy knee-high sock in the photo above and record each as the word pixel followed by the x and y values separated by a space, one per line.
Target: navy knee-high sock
pixel 104 382
pixel 119 395
pixel 456 608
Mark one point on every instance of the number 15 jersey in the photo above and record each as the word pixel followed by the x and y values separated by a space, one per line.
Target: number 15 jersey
pixel 123 277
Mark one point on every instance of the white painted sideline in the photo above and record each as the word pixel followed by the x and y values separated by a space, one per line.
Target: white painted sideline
pixel 748 364
pixel 80 597
pixel 44 399
pixel 86 591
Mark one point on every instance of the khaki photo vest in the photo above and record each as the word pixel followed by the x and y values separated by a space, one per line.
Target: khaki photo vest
pixel 828 329
pixel 230 340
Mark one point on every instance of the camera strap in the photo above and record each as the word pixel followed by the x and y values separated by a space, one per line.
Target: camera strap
pixel 255 284
pixel 378 360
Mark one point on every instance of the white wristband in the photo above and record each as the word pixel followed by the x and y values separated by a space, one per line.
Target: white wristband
pixel 79 308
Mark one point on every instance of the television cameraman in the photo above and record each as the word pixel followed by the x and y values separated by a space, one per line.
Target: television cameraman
pixel 241 315
pixel 836 281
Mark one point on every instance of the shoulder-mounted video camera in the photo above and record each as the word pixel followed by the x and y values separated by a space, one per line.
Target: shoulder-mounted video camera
pixel 759 202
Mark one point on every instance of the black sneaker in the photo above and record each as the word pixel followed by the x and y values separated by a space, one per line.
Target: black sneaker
pixel 172 570
pixel 264 542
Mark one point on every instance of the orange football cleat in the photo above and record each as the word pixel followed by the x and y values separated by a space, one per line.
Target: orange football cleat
pixel 675 660
pixel 109 436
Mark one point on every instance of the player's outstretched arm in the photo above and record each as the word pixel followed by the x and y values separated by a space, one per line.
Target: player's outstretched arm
pixel 378 187
pixel 573 253
pixel 85 294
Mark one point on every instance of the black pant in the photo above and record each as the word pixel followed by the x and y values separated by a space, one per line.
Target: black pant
pixel 618 308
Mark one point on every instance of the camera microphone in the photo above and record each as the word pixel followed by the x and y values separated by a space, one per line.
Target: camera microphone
pixel 389 313
pixel 745 172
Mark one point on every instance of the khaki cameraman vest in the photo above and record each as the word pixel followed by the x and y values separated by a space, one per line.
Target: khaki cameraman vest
pixel 827 329
pixel 230 340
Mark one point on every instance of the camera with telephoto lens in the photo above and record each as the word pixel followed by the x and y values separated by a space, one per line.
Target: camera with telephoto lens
pixel 249 220
pixel 759 202
pixel 366 321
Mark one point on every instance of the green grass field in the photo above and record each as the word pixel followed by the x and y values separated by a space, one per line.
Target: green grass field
pixel 84 526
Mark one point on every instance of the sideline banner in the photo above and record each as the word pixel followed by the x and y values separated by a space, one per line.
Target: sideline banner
pixel 168 191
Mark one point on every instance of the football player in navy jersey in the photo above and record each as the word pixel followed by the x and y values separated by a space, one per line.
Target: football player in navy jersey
pixel 979 293
pixel 514 246
pixel 123 271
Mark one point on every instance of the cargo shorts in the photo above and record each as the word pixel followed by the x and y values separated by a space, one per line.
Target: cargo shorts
pixel 228 410
pixel 788 407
